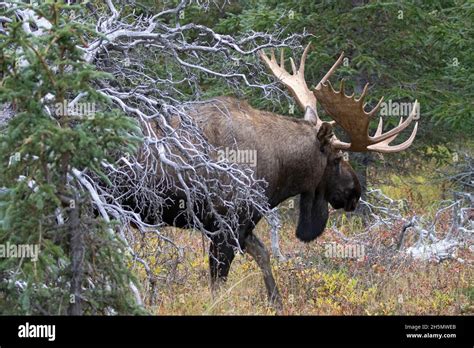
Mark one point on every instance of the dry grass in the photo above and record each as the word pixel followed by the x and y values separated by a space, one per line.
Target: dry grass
pixel 311 283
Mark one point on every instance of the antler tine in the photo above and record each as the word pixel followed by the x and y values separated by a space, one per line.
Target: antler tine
pixel 293 67
pixel 360 100
pixel 341 87
pixel 329 84
pixel 303 59
pixel 376 108
pixel 363 94
pixel 272 54
pixel 331 71
pixel 380 127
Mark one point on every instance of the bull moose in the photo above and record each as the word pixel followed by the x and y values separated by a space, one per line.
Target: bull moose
pixel 295 157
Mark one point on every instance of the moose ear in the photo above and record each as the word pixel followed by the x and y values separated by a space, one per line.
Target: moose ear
pixel 313 216
pixel 325 134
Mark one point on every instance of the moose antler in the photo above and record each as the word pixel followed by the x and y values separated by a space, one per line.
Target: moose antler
pixel 349 113
pixel 296 82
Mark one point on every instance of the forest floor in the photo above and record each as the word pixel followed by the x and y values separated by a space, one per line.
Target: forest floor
pixel 383 281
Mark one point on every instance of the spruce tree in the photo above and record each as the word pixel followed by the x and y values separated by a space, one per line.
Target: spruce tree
pixel 62 129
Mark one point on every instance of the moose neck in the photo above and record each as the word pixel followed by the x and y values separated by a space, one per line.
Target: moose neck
pixel 295 164
pixel 296 173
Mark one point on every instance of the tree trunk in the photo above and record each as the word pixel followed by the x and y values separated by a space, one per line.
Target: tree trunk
pixel 77 255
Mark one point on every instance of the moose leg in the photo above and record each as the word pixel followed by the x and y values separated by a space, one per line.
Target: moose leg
pixel 221 255
pixel 257 250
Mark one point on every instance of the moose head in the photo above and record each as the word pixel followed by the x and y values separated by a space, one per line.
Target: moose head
pixel 338 185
